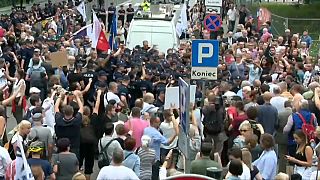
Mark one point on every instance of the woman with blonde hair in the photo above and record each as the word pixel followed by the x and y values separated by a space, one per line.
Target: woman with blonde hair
pixel 79 176
pixel 88 140
pixel 21 132
pixel 282 176
pixel 247 159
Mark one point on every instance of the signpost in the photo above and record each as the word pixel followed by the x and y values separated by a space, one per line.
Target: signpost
pixel 184 104
pixel 213 5
pixel 212 22
pixel 205 59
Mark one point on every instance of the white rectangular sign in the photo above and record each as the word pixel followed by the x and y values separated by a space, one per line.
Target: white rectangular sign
pixel 172 96
pixel 213 3
pixel 209 73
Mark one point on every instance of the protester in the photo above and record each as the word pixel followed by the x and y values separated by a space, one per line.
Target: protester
pixel 65 162
pixel 117 169
pixel 303 156
pixel 200 166
pixel 131 160
pixel 267 162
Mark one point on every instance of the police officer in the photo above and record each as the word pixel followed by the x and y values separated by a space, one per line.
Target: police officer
pixel 121 14
pixel 130 13
pixel 111 12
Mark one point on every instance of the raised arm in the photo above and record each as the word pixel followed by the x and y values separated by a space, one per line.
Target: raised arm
pixel 97 105
pixel 86 89
pixel 77 94
pixel 56 106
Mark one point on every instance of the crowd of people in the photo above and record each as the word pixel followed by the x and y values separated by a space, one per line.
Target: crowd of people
pixel 259 120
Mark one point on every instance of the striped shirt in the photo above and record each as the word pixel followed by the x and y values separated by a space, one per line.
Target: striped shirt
pixel 147 157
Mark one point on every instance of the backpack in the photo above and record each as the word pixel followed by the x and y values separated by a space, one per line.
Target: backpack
pixel 103 158
pixel 308 129
pixel 36 77
pixel 212 120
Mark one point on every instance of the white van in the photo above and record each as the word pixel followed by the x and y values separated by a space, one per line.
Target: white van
pixel 157 30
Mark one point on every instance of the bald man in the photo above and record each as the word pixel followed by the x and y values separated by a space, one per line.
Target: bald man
pixel 148 100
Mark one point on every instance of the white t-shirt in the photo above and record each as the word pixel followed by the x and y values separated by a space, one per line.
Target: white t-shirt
pixel 116 172
pixel 3 79
pixel 314 175
pixel 114 134
pixel 5 160
pixel 110 96
pixel 245 174
pixel 17 84
pixel 168 131
pixel 232 14
pixel 49 120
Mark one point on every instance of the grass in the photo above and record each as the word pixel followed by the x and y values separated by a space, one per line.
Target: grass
pixel 5 3
pixel 314 49
pixel 291 10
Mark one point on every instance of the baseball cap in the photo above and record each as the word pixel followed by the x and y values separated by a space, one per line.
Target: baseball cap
pixel 101 84
pixel 37 117
pixel 102 73
pixel 36 146
pixel 34 90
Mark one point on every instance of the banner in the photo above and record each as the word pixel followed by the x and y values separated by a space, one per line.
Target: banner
pixel 23 170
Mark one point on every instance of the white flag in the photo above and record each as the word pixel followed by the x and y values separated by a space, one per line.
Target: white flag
pixel 95 30
pixel 82 10
pixel 23 170
pixel 182 25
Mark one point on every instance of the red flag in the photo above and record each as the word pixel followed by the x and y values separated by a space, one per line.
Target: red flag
pixel 103 43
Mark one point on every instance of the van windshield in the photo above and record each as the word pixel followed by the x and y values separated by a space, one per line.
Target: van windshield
pixel 154 34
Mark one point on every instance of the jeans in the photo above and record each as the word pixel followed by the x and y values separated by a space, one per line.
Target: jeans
pixel 231 25
pixel 155 170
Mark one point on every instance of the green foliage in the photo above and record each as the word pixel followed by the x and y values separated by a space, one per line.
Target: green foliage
pixel 315 48
pixel 303 12
pixel 5 3
pixel 291 10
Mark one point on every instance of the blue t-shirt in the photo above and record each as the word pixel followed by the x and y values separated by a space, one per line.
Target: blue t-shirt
pixel 46 167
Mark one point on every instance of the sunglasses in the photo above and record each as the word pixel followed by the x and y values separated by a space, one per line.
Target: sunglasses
pixel 244 130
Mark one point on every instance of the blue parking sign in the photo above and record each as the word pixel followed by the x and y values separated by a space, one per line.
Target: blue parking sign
pixel 205 53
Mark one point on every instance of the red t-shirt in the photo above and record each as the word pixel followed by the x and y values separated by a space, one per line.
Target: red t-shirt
pixel 236 123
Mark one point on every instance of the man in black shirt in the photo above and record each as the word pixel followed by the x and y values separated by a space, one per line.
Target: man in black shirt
pixel 160 99
pixel 10 58
pixel 67 124
pixel 75 76
pixel 130 13
pixel 123 90
pixel 111 12
pixel 99 121
pixel 121 14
